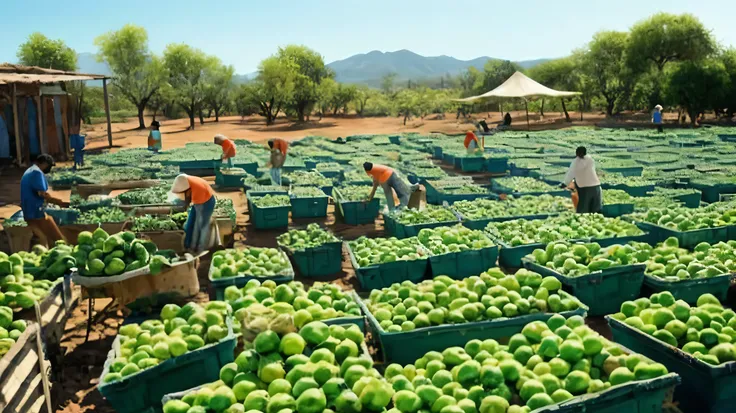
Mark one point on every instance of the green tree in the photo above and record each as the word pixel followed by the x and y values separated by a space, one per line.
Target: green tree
pixel 273 88
pixel 728 57
pixel 187 68
pixel 245 99
pixel 697 86
pixel 326 91
pixel 43 52
pixel 362 94
pixel 470 80
pixel 604 63
pixel 218 85
pixel 163 97
pixel 407 104
pixel 138 74
pixel 387 83
pixel 344 94
pixel 560 74
pixel 495 72
pixel 310 71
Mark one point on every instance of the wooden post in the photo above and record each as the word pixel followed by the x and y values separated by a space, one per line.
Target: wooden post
pixel 16 126
pixel 526 104
pixel 41 364
pixel 107 112
pixel 42 140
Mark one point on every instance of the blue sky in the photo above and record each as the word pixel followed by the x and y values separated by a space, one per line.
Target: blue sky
pixel 242 32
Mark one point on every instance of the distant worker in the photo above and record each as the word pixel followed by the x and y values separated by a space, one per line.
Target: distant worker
pixel 657 117
pixel 33 198
pixel 587 184
pixel 483 127
pixel 507 120
pixel 228 149
pixel 471 143
pixel 154 137
pixel 278 147
pixel 390 182
pixel 199 194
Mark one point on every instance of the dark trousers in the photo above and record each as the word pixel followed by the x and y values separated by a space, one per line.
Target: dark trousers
pixel 659 128
pixel 590 199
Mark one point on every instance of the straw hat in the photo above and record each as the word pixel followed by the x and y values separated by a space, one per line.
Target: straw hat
pixel 658 107
pixel 181 184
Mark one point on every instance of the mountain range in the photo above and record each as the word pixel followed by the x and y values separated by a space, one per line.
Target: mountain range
pixel 366 68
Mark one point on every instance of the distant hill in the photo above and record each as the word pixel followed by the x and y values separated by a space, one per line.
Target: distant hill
pixel 366 68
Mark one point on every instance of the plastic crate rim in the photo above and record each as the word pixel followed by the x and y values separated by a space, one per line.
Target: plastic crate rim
pixel 289 272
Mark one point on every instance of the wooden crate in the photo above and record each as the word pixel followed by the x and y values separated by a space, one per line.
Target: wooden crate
pixel 24 384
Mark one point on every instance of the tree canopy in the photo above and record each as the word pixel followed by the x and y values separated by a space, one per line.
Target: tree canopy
pixel 41 51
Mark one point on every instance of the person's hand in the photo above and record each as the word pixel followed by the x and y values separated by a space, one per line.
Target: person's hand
pixel 563 186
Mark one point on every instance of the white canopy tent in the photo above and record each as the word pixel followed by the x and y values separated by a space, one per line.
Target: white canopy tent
pixel 520 86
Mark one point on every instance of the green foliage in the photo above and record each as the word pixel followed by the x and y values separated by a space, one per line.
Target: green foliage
pixel 605 63
pixel 138 73
pixel 43 52
pixel 309 71
pixel 698 86
pixel 187 68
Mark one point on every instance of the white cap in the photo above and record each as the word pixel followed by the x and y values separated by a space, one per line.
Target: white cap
pixel 181 184
pixel 658 107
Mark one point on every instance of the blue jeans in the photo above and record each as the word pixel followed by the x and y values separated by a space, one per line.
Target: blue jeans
pixel 394 183
pixel 197 227
pixel 276 176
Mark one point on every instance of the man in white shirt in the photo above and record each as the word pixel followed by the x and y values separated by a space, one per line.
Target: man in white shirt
pixel 582 171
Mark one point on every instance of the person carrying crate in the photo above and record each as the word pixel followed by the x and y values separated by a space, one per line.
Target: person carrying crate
pixel 228 149
pixel 390 182
pixel 198 226
pixel 33 198
pixel 278 148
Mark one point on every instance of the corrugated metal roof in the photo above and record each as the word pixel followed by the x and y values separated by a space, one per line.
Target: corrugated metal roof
pixel 10 73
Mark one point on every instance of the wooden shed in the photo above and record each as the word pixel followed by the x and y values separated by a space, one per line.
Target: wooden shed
pixel 37 114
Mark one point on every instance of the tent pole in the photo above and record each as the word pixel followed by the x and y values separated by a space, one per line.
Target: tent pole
pixel 526 104
pixel 107 113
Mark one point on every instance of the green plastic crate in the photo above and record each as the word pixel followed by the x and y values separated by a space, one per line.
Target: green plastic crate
pixel 448 159
pixel 437 152
pixel 631 190
pixel 690 200
pixel 255 193
pixel 617 210
pixel 705 388
pixel 712 193
pixel 228 181
pixel 380 276
pixel 472 163
pixel 646 396
pixel 602 291
pixel 270 217
pixel 399 230
pixel 309 207
pixel 217 292
pixel 497 165
pixel 481 224
pixel 459 265
pixel 248 167
pixel 357 212
pixel 630 171
pixel 142 392
pixel 452 198
pixel 689 290
pixel 320 261
pixel 510 257
pixel 687 239
pixel 407 347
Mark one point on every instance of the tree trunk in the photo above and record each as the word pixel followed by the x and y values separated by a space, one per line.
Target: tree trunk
pixel 201 118
pixel 217 115
pixel 155 111
pixel 191 120
pixel 141 121
pixel 609 107
pixel 564 109
pixel 541 110
pixel 405 116
pixel 209 113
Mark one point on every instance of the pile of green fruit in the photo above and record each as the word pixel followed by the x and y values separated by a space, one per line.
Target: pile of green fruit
pixel 442 240
pixel 574 260
pixel 178 331
pixel 322 301
pixel 673 192
pixel 706 331
pixel 546 363
pixel 269 201
pixel 102 215
pixel 252 261
pixel 302 239
pixel 616 196
pixel 10 330
pixel 671 263
pixel 354 193
pixel 145 223
pixel 689 219
pixel 159 194
pixel 306 192
pixel 513 207
pixel 318 368
pixel 19 288
pixel 467 189
pixel 355 177
pixel 329 166
pixel 307 178
pixel 564 227
pixel 371 251
pixel 490 296
pixel 428 215
pixel 630 181
pixel 523 184
pixel 94 201
pixel 100 254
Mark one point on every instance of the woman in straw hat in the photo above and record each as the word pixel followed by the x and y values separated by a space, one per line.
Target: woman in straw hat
pixel 657 117
pixel 199 194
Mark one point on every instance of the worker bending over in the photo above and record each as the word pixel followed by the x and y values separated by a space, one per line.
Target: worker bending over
pixel 228 149
pixel 199 194
pixel 278 147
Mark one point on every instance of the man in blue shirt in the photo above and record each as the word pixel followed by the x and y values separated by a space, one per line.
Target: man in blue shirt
pixel 33 197
pixel 657 117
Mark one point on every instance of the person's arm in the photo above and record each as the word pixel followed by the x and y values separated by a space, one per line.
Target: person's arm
pixel 570 175
pixel 373 191
pixel 41 188
pixel 187 198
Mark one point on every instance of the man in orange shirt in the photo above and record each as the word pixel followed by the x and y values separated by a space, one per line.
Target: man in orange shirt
pixel 389 181
pixel 199 194
pixel 471 142
pixel 278 147
pixel 228 149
